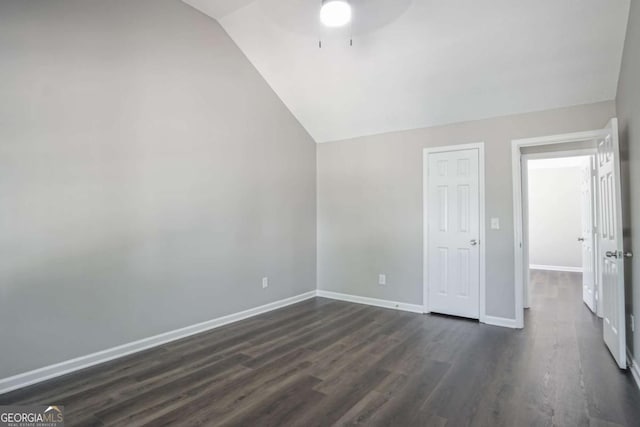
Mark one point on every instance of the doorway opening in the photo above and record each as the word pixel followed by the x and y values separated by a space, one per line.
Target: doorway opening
pixel 560 223
pixel 607 290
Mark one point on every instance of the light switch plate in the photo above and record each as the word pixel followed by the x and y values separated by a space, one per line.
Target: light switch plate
pixel 495 223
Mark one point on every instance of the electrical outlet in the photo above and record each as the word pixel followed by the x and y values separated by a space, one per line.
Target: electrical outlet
pixel 382 279
pixel 265 282
pixel 632 320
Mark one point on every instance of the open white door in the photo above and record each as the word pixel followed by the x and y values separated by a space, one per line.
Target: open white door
pixel 587 237
pixel 453 232
pixel 611 252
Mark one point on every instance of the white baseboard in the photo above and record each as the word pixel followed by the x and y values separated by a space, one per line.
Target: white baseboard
pixel 555 268
pixel 500 321
pixel 68 366
pixel 633 367
pixel 414 308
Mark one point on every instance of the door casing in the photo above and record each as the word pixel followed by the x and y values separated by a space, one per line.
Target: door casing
pixel 521 268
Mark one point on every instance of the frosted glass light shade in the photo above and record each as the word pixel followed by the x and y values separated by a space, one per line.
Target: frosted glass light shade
pixel 335 13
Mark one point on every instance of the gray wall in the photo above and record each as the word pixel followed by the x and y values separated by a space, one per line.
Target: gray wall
pixel 628 106
pixel 370 203
pixel 555 216
pixel 149 178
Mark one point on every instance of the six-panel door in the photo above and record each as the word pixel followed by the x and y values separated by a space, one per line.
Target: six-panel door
pixel 587 238
pixel 611 239
pixel 453 232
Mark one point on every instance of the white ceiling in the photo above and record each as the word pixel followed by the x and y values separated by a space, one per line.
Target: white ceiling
pixel 419 63
pixel 218 8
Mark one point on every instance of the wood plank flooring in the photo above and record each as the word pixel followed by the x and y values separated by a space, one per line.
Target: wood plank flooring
pixel 323 363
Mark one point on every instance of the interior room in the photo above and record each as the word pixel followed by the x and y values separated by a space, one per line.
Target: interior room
pixel 560 214
pixel 561 221
pixel 319 212
pixel 555 213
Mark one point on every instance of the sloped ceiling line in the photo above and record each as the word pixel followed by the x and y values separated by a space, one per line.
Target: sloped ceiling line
pixel 421 63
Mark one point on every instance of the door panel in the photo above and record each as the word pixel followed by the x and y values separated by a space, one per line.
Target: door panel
pixel 587 237
pixel 453 231
pixel 611 253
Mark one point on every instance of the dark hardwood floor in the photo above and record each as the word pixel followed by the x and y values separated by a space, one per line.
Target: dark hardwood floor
pixel 323 362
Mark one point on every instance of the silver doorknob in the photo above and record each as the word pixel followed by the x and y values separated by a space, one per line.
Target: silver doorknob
pixel 628 255
pixel 473 242
pixel 580 239
pixel 611 254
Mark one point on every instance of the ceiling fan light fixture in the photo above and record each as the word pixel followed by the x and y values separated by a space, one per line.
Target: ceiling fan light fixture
pixel 335 13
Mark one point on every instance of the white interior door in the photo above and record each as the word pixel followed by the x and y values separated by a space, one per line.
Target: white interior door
pixel 453 233
pixel 587 235
pixel 611 253
pixel 524 164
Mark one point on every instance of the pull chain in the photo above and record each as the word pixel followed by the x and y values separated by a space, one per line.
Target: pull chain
pixel 320 29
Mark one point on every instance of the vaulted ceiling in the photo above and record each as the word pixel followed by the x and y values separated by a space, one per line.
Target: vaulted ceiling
pixel 419 63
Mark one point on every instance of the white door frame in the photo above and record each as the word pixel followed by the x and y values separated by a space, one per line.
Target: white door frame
pixel 518 208
pixel 525 206
pixel 425 199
